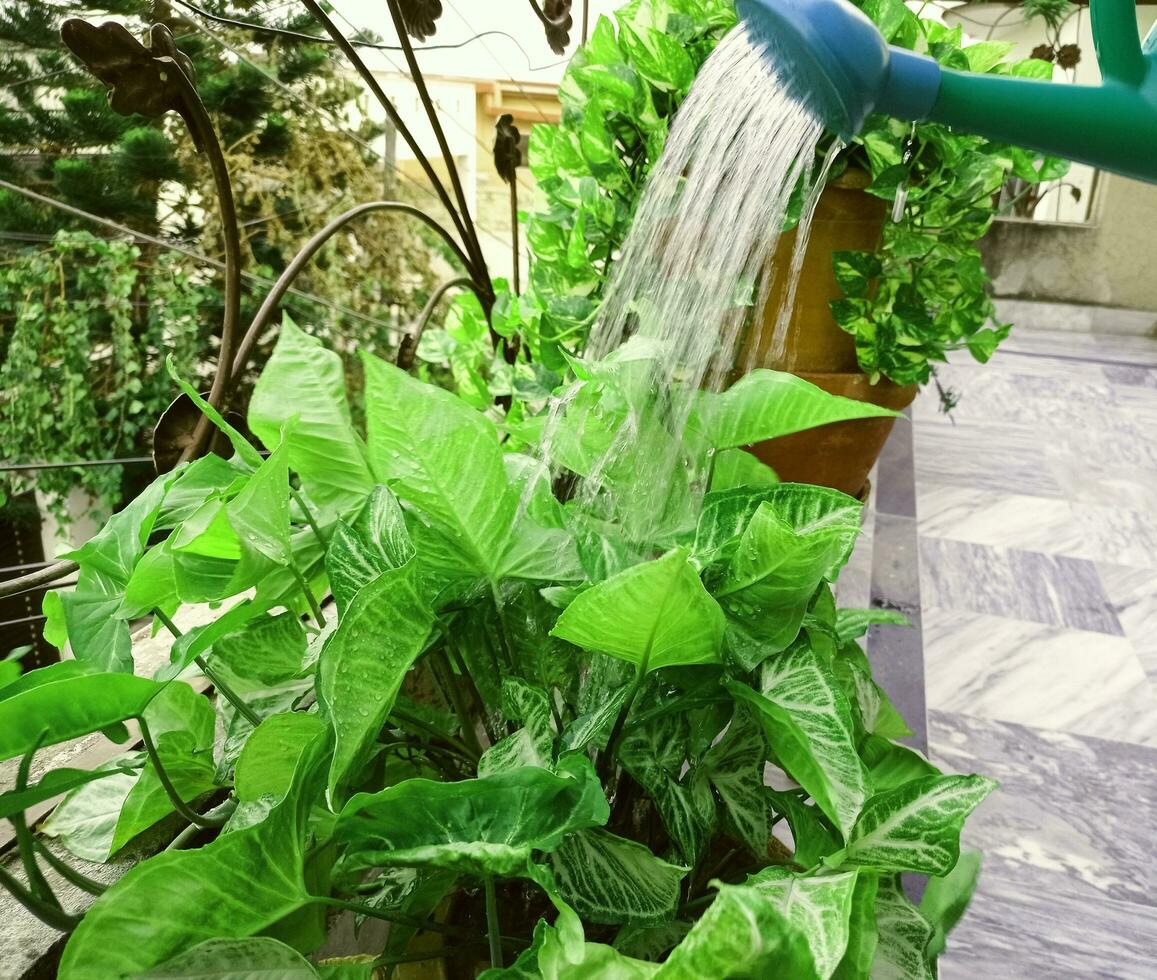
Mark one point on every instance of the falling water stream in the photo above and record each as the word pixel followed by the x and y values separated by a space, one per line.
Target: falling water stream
pixel 694 267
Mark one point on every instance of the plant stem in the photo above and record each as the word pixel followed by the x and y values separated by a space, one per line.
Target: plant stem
pixel 167 623
pixel 170 790
pixel 67 871
pixel 621 720
pixel 55 917
pixel 504 633
pixel 493 933
pixel 224 689
pixel 514 234
pixel 205 141
pixel 454 692
pixel 696 903
pixel 469 751
pixel 24 837
pixel 310 519
pixel 475 694
pixel 308 593
pixel 399 918
pixel 227 692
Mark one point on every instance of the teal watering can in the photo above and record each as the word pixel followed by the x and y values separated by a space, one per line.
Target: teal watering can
pixel 840 58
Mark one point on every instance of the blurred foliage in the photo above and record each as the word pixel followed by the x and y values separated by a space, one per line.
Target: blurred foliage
pixel 282 109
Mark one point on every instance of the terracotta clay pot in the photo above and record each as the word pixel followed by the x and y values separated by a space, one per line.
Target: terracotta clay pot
pixel 814 347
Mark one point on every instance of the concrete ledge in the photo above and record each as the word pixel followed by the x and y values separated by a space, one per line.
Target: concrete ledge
pixel 1028 314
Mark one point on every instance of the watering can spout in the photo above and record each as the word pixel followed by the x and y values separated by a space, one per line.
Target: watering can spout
pixel 837 56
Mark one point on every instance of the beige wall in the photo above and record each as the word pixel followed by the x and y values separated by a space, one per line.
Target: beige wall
pixel 1109 262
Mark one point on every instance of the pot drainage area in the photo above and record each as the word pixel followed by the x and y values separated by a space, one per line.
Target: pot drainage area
pixel 1032 509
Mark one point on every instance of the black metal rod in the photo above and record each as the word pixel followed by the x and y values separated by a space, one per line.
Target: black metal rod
pixel 409 346
pixel 399 123
pixel 28 467
pixel 310 249
pixel 416 76
pixel 196 116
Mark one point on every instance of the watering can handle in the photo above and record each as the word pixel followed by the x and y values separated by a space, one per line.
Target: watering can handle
pixel 1117 42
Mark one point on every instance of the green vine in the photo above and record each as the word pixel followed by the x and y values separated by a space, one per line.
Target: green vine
pixel 85 327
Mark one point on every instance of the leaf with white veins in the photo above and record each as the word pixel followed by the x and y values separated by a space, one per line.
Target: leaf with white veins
pixel 916 827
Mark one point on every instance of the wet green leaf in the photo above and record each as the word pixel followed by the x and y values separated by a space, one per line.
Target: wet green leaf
pixel 363 663
pixel 304 381
pixel 654 615
pixel 607 878
pixel 242 884
pixel 808 724
pixel 916 827
pixel 57 703
pixel 359 552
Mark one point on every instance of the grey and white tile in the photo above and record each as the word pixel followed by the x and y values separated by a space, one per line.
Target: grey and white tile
pixel 1072 815
pixel 1044 676
pixel 993 456
pixel 1011 932
pixel 1097 531
pixel 1132 593
pixel 1016 584
pixel 1128 374
pixel 1110 484
pixel 999 519
pixel 1039 400
pixel 896 652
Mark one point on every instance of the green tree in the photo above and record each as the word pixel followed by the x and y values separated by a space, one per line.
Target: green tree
pixel 278 106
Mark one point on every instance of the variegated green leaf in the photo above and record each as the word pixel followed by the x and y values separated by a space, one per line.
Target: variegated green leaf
pixel 734 765
pixel 656 614
pixel 252 958
pixel 726 514
pixel 916 827
pixel 820 907
pixel 359 552
pixel 877 714
pixel 530 745
pixel 862 935
pixel 362 666
pixel 787 549
pixel 903 937
pixel 486 826
pixel 611 879
pixel 594 727
pixel 654 755
pixel 743 933
pixel 808 724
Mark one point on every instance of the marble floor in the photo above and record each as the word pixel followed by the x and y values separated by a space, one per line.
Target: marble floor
pixel 1036 519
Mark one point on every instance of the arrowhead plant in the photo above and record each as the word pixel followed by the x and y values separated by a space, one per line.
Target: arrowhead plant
pixel 516 725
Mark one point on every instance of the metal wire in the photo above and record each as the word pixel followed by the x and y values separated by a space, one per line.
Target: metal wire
pixel 192 253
